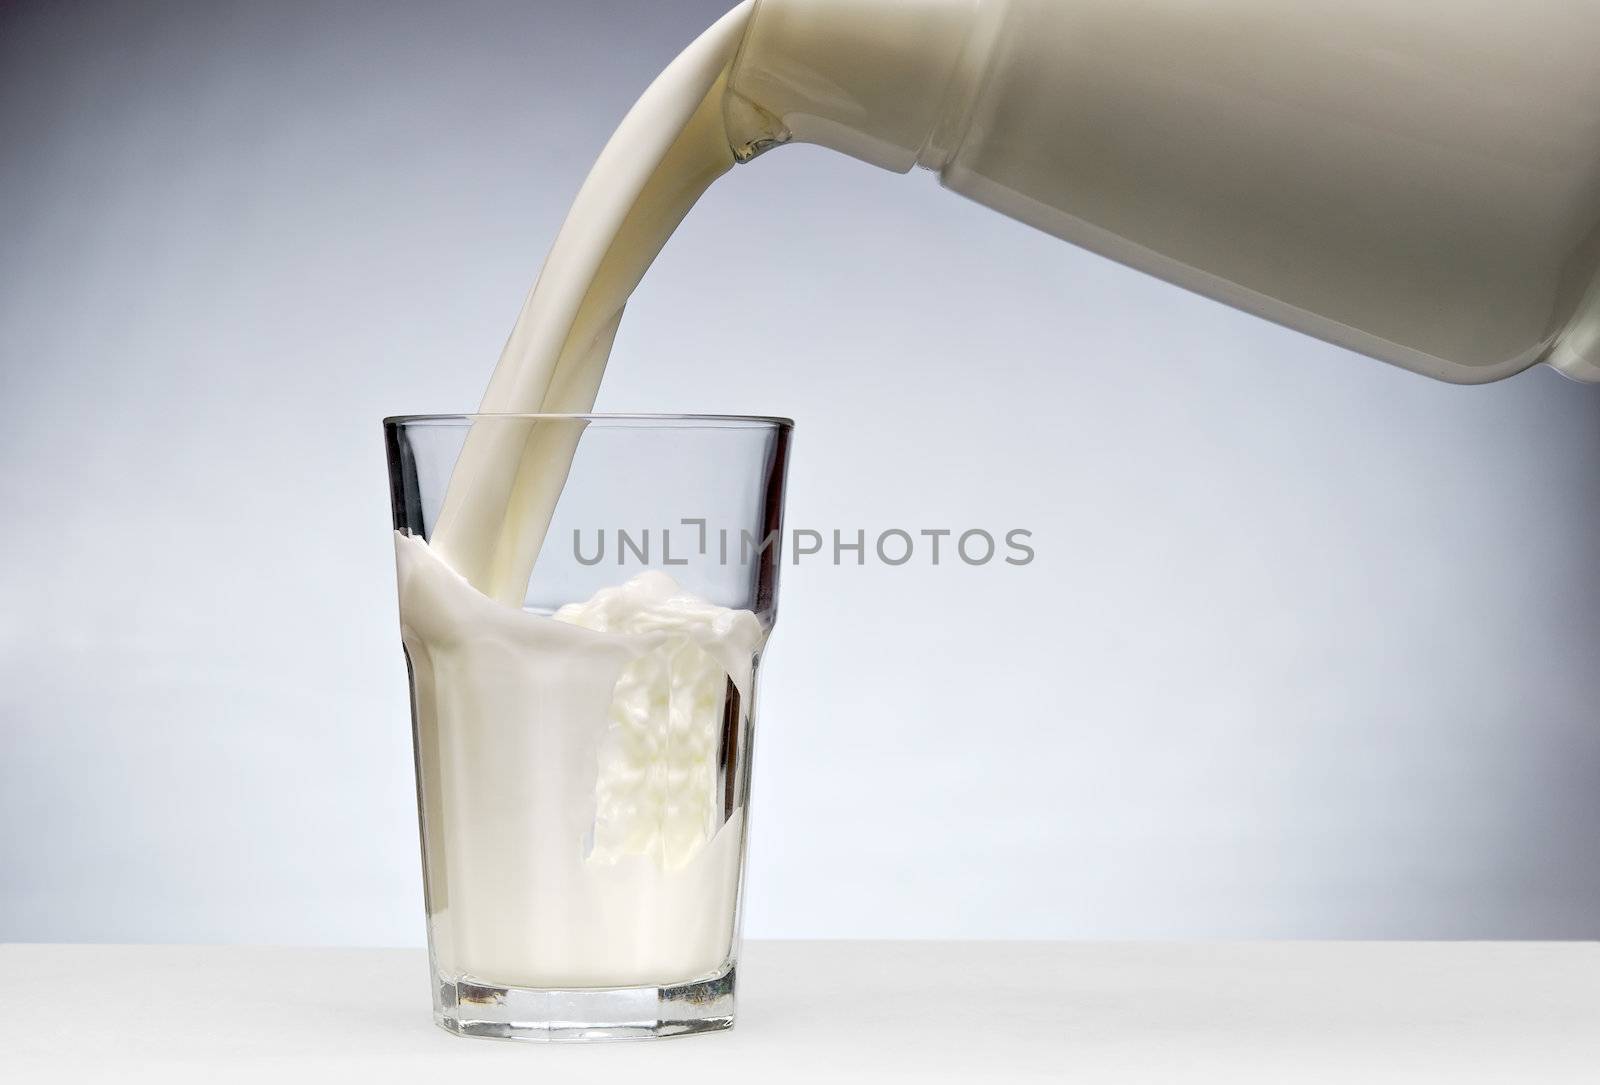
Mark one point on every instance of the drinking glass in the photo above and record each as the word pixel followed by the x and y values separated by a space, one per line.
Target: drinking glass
pixel 583 728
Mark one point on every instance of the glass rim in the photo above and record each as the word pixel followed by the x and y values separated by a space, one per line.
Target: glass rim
pixel 686 421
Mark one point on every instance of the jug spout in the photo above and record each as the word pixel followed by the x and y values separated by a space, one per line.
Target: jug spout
pixel 869 78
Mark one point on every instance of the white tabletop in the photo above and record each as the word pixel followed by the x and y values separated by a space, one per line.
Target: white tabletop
pixel 840 1012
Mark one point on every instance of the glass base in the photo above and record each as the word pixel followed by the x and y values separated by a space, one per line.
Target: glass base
pixel 467 1007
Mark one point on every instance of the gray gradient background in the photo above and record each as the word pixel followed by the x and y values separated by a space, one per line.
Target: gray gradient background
pixel 1309 649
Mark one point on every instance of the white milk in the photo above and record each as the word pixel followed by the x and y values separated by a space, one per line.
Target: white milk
pixel 558 855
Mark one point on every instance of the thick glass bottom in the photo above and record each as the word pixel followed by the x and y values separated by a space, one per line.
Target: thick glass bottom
pixel 467 1007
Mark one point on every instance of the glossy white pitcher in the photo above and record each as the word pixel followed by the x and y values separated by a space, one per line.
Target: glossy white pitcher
pixel 1418 180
